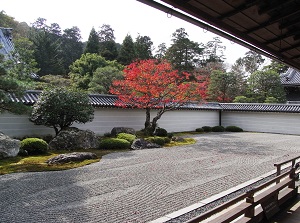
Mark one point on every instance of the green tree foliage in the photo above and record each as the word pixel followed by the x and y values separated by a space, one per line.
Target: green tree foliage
pixel 60 108
pixel 92 45
pixel 213 51
pixel 108 47
pixel 143 47
pixel 103 78
pixel 222 86
pixel 127 52
pixel 10 86
pixel 183 54
pixel 7 21
pixel 264 84
pixel 72 47
pixel 82 70
pixel 161 51
pixel 48 51
pixel 22 65
pixel 277 67
pixel 251 61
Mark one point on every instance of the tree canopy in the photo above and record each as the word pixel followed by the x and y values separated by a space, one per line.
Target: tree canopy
pixel 152 84
pixel 60 108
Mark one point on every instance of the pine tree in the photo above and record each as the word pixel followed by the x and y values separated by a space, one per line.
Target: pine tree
pixel 127 51
pixel 92 45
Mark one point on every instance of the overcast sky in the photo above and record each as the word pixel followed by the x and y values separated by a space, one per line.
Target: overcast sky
pixel 124 16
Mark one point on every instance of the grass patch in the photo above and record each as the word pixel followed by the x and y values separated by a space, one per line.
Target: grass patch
pixel 187 141
pixel 37 163
pixel 187 133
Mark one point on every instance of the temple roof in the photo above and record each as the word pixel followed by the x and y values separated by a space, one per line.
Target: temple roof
pixel 290 78
pixel 6 42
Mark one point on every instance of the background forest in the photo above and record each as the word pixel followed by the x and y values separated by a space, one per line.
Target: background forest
pixel 46 56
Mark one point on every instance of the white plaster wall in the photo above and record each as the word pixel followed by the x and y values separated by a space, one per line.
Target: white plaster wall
pixel 287 123
pixel 106 118
pixel 172 121
pixel 19 125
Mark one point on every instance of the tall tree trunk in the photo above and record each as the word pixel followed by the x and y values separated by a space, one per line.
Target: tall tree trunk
pixel 155 119
pixel 147 122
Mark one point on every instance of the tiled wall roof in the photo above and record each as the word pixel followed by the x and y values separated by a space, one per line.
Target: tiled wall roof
pixel 108 101
pixel 99 100
pixel 256 107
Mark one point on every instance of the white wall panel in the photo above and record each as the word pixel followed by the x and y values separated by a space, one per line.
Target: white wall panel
pixel 287 123
pixel 106 118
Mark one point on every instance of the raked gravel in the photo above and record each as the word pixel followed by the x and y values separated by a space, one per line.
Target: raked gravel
pixel 140 186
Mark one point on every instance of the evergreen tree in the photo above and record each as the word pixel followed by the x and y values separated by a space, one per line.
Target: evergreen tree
pixel 222 86
pixel 47 42
pixel 265 84
pixel 213 51
pixel 92 45
pixel 127 52
pixel 143 47
pixel 161 51
pixel 72 47
pixel 108 46
pixel 9 86
pixel 184 54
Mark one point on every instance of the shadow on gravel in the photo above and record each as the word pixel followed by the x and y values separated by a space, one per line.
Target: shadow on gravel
pixel 42 197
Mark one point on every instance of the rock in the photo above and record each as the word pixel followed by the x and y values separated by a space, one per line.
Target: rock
pixel 8 147
pixel 143 144
pixel 73 138
pixel 68 157
pixel 177 139
pixel 116 130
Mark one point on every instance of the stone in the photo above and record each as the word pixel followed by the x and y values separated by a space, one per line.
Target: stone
pixel 73 138
pixel 177 139
pixel 116 130
pixel 8 147
pixel 143 144
pixel 68 157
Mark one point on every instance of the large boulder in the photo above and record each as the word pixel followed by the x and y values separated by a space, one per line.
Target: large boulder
pixel 73 138
pixel 143 144
pixel 68 157
pixel 8 147
pixel 116 130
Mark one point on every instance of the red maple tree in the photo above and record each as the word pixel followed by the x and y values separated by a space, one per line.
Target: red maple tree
pixel 150 84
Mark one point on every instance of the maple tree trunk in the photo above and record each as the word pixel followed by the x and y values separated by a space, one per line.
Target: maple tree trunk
pixel 147 122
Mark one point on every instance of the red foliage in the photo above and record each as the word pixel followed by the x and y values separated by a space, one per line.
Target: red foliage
pixel 153 84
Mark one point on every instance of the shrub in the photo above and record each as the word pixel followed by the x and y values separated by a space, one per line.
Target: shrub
pixel 114 143
pixel 34 146
pixel 233 128
pixel 218 128
pixel 156 139
pixel 107 134
pixel 170 135
pixel 167 139
pixel 129 137
pixel 161 132
pixel 206 128
pixel 199 130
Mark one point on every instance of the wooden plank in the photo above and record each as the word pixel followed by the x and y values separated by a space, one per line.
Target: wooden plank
pixel 232 214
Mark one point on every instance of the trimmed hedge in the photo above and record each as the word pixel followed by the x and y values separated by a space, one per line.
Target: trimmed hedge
pixel 206 128
pixel 199 130
pixel 218 128
pixel 33 146
pixel 233 128
pixel 161 132
pixel 158 140
pixel 114 143
pixel 129 137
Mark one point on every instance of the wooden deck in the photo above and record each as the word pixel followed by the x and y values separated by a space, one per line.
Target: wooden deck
pixel 290 215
